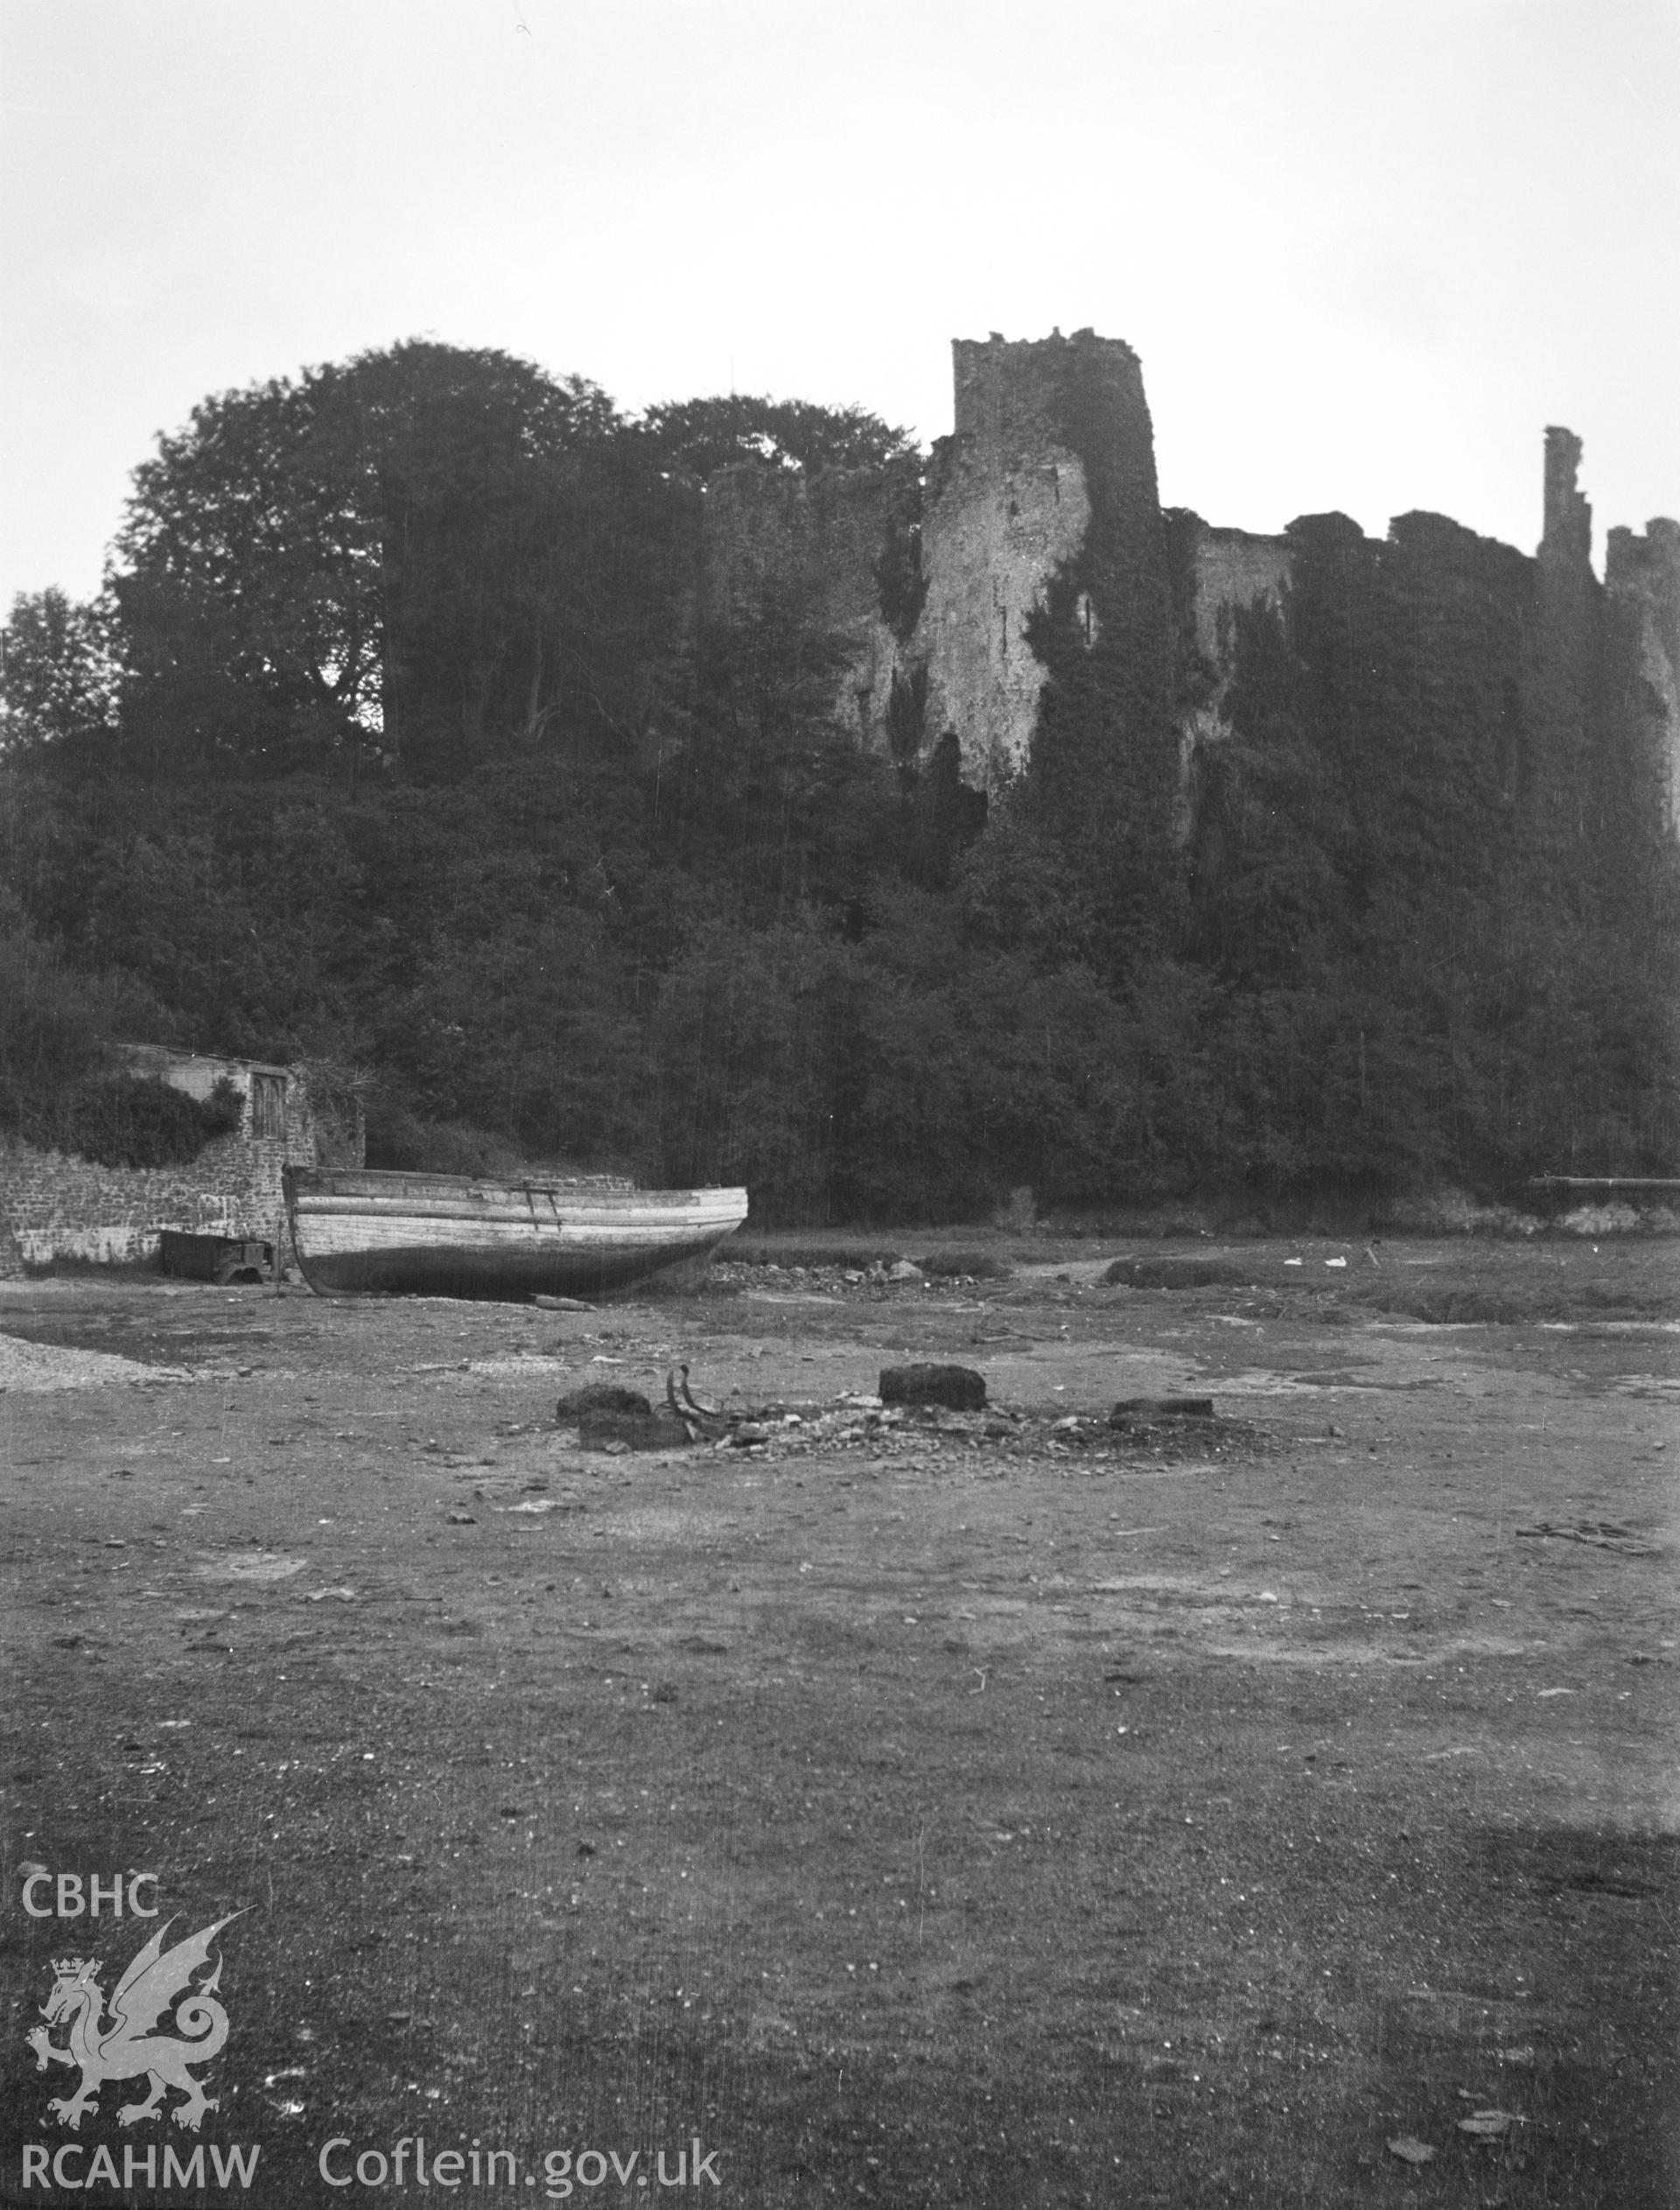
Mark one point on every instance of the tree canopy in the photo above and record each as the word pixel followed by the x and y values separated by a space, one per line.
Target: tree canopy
pixel 58 672
pixel 697 437
pixel 424 553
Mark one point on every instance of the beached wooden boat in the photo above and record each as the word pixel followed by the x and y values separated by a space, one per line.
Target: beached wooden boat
pixel 357 1232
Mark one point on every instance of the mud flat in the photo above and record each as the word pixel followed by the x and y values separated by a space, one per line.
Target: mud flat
pixel 995 1809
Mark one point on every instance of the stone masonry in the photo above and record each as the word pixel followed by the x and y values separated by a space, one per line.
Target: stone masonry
pixel 1641 575
pixel 53 1205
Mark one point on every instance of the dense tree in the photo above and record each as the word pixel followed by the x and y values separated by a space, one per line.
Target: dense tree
pixel 247 584
pixel 530 557
pixel 760 790
pixel 426 555
pixel 697 437
pixel 58 672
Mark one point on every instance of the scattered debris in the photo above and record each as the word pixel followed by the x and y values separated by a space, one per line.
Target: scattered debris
pixel 919 1407
pixel 700 1422
pixel 1152 1408
pixel 711 1423
pixel 41 1366
pixel 945 1274
pixel 1490 2125
pixel 1603 1534
pixel 1411 2149
pixel 958 1388
pixel 620 1431
pixel 260 1565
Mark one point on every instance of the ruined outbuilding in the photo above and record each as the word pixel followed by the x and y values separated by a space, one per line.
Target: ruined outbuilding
pixel 57 1205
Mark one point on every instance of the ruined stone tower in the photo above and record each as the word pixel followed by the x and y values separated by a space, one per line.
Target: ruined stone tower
pixel 933 577
pixel 1046 433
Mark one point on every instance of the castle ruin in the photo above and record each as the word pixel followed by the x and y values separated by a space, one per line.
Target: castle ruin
pixel 940 577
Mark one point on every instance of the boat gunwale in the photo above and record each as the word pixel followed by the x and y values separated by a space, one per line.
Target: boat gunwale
pixel 688 1212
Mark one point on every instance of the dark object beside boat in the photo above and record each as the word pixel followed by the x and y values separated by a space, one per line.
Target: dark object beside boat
pixel 220 1259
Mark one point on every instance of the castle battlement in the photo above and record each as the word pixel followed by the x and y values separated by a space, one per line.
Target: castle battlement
pixel 1012 395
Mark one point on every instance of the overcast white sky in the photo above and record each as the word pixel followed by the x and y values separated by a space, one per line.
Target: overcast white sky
pixel 1367 248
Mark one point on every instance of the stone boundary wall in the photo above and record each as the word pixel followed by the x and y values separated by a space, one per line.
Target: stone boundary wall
pixel 57 1206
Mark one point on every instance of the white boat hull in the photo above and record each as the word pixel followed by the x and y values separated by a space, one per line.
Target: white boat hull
pixel 358 1232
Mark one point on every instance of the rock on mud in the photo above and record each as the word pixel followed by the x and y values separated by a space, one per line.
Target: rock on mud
pixel 958 1388
pixel 601 1396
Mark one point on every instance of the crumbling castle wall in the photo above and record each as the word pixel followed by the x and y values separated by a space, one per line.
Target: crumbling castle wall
pixel 1641 575
pixel 814 544
pixel 1602 690
pixel 1230 571
pixel 1042 507
pixel 1558 688
pixel 1233 569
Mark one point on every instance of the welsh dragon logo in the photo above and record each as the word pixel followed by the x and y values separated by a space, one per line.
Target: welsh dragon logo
pixel 122 2045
